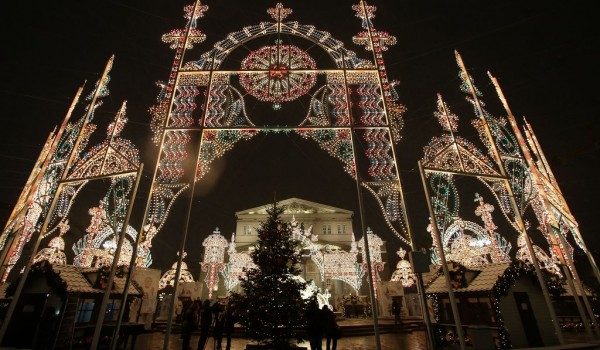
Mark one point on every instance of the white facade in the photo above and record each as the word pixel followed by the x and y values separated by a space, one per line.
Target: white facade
pixel 332 233
pixel 332 225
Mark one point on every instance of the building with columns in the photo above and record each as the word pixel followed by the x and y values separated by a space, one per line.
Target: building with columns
pixel 332 258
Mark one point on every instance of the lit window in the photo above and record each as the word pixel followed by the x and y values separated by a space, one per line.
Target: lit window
pixel 84 311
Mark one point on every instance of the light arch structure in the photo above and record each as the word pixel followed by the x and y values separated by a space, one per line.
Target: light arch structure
pixel 357 103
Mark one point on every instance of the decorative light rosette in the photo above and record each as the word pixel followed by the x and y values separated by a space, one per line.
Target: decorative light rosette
pixel 276 73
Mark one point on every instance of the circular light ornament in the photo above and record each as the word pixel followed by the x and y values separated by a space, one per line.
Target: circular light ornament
pixel 278 73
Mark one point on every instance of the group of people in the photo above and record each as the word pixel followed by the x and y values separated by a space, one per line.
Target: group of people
pixel 321 323
pixel 204 315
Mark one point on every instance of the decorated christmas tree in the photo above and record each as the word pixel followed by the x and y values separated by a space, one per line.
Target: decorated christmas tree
pixel 270 306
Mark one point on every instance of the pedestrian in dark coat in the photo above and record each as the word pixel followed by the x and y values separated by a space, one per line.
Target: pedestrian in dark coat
pixel 314 326
pixel 330 326
pixel 189 324
pixel 205 322
pixel 219 322
pixel 230 320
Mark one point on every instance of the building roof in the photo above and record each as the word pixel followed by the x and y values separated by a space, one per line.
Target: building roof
pixel 77 282
pixel 484 281
pixel 296 206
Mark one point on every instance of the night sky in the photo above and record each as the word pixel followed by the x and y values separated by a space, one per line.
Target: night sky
pixel 543 53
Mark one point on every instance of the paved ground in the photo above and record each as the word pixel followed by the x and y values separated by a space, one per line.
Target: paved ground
pixel 414 340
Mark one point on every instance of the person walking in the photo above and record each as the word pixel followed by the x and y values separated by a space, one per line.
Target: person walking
pixel 314 326
pixel 205 322
pixel 331 328
pixel 189 324
pixel 230 320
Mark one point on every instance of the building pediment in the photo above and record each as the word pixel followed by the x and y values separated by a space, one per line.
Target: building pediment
pixel 296 206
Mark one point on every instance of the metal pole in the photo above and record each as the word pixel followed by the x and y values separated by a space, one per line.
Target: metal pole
pixel 113 268
pixel 178 270
pixel 455 313
pixel 128 278
pixel 425 310
pixel 369 267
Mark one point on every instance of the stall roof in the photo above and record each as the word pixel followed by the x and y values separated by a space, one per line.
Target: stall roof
pixel 484 281
pixel 77 282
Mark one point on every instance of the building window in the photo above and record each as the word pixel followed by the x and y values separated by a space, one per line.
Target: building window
pixel 247 230
pixel 341 229
pixel 326 229
pixel 112 310
pixel 84 311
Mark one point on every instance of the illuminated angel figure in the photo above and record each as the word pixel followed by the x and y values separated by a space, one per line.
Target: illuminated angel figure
pixel 55 253
pixel 403 271
pixel 168 279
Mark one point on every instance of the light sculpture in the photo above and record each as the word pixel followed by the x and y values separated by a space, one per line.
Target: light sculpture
pixel 214 259
pixel 403 273
pixel 55 252
pixel 353 99
pixel 168 278
pixel 375 243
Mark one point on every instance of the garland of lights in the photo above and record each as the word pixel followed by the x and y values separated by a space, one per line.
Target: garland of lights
pixel 515 271
pixel 215 143
pixel 173 155
pixel 389 198
pixel 343 58
pixel 183 106
pixel 337 142
pixel 225 107
pixel 329 104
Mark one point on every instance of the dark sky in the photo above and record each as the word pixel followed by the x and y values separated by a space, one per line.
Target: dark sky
pixel 544 54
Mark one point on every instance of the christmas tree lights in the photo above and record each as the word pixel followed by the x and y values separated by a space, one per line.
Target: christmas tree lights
pixel 271 306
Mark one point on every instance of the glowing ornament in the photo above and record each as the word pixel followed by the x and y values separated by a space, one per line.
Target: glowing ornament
pixel 168 278
pixel 403 271
pixel 284 73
